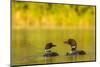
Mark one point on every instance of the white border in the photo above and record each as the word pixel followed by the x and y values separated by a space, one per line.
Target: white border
pixel 86 2
pixel 5 33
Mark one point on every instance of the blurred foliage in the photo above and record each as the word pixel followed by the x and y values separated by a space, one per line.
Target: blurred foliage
pixel 52 15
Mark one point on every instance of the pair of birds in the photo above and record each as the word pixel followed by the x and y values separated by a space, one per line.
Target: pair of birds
pixel 70 42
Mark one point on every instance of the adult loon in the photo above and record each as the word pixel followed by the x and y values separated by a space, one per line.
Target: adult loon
pixel 74 50
pixel 48 52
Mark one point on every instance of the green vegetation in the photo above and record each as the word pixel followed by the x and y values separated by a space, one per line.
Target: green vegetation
pixel 52 15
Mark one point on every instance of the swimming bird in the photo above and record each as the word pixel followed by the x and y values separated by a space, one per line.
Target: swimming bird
pixel 48 52
pixel 74 50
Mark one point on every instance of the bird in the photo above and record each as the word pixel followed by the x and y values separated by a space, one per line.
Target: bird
pixel 49 46
pixel 48 52
pixel 74 50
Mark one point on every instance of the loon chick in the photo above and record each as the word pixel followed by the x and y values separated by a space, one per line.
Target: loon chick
pixel 74 50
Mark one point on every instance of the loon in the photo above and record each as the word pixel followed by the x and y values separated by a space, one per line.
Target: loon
pixel 74 50
pixel 48 52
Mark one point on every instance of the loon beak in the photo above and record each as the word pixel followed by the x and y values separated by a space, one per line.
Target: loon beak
pixel 65 42
pixel 53 45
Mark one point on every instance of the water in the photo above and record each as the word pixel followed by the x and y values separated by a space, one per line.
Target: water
pixel 28 45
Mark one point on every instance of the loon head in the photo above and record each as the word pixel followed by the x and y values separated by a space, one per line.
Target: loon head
pixel 49 46
pixel 70 42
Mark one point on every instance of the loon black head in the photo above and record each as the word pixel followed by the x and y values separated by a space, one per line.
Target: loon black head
pixel 49 46
pixel 71 42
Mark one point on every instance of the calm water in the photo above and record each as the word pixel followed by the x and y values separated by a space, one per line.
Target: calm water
pixel 28 45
